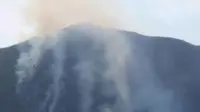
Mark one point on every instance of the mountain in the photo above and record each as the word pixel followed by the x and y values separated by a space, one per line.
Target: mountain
pixel 85 68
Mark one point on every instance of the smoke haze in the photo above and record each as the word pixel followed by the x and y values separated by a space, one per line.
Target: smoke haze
pixel 116 53
pixel 50 15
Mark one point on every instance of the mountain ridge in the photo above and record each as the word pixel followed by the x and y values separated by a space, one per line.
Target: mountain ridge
pixel 159 70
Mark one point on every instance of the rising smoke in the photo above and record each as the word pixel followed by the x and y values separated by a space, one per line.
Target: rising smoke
pixel 117 53
pixel 49 16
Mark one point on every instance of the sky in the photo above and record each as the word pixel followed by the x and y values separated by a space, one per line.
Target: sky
pixel 173 18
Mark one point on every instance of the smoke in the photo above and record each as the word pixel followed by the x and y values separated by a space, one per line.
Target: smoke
pixel 28 61
pixel 86 82
pixel 51 15
pixel 46 17
pixel 117 53
pixel 117 67
pixel 57 73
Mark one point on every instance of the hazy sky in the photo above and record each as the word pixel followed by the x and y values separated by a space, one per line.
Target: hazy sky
pixel 174 18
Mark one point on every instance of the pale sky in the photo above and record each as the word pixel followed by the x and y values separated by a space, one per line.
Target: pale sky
pixel 174 18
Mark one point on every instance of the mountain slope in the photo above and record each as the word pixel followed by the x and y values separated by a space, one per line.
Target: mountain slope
pixel 90 69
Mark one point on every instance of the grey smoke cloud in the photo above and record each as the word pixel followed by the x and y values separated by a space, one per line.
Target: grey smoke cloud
pixel 117 52
pixel 57 73
pixel 148 94
pixel 50 15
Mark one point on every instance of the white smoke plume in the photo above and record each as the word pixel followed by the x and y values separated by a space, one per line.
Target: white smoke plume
pixel 57 72
pixel 28 61
pixel 117 53
pixel 49 16
pixel 86 84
